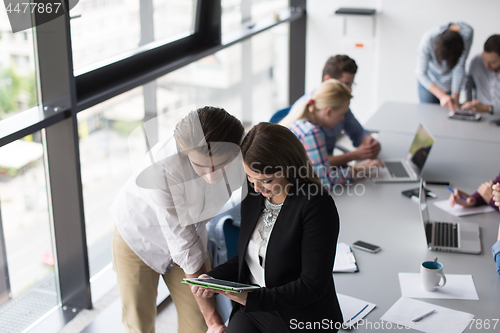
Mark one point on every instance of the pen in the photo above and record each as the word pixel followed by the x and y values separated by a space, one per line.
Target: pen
pixel 461 197
pixel 423 316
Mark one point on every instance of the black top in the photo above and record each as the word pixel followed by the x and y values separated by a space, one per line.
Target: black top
pixel 299 258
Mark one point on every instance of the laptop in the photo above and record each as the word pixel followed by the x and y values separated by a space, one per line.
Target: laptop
pixel 460 237
pixel 409 169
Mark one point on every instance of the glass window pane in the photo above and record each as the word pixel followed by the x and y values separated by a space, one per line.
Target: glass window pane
pixel 25 235
pixel 105 166
pixel 263 8
pixel 18 90
pixel 249 79
pixel 231 15
pixel 103 31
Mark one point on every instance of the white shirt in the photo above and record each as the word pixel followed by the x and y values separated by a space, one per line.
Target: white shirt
pixel 256 253
pixel 169 222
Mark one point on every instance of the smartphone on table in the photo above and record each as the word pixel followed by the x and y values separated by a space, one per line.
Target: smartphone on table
pixel 464 115
pixel 366 247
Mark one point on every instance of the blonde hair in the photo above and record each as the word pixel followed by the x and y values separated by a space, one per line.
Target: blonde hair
pixel 330 94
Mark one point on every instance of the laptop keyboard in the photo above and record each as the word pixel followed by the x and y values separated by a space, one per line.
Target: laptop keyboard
pixel 445 234
pixel 397 169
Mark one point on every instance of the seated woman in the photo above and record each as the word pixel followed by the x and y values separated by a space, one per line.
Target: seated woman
pixel 483 196
pixel 327 107
pixel 287 241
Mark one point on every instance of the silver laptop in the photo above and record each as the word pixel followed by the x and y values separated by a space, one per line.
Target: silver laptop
pixel 446 236
pixel 409 169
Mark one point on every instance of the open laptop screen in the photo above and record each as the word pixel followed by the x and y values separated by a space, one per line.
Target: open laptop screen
pixel 424 211
pixel 420 148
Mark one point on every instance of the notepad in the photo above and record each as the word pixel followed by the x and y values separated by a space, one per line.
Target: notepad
pixel 345 262
pixel 353 309
pixel 458 210
pixel 443 320
pixel 458 286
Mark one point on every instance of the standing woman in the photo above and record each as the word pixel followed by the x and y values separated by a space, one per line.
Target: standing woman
pixel 441 63
pixel 287 241
pixel 326 108
pixel 160 216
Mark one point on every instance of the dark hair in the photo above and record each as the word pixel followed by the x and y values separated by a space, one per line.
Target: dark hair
pixel 339 64
pixel 271 148
pixel 216 126
pixel 492 44
pixel 448 47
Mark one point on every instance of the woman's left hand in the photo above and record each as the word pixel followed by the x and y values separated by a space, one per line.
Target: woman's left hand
pixel 237 297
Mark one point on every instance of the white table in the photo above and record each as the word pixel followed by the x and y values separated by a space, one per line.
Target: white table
pixel 386 218
pixel 405 117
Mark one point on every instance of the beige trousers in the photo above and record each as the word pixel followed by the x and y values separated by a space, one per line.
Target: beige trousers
pixel 138 285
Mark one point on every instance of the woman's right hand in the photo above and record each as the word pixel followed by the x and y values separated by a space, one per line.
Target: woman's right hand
pixel 203 292
pixel 447 102
pixel 456 199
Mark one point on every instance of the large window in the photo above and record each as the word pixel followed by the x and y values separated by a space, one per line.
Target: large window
pixel 217 80
pixel 27 276
pixel 103 31
pixel 69 101
pixel 105 163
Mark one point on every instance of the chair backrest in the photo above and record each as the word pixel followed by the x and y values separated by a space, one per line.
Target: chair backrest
pixel 231 234
pixel 279 115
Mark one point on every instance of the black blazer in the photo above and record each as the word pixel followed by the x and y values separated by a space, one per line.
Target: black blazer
pixel 299 258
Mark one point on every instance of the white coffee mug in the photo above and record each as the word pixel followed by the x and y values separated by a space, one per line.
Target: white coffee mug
pixel 431 275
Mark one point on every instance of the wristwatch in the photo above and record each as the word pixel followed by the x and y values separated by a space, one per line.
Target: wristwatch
pixel 491 109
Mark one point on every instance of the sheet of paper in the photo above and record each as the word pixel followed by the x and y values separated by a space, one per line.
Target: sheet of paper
pixel 344 259
pixel 353 309
pixel 457 286
pixel 458 210
pixel 444 320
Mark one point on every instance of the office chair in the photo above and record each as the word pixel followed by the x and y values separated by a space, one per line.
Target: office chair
pixel 231 234
pixel 279 115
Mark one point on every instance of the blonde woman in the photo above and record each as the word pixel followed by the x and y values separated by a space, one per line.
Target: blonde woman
pixel 327 107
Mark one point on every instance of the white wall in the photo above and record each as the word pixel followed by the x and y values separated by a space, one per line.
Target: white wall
pixel 387 61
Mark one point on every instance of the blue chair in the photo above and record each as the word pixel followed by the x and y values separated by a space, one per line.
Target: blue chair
pixel 279 115
pixel 231 234
pixel 223 232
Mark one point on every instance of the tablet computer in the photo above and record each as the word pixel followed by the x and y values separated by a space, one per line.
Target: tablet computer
pixel 221 285
pixel 464 116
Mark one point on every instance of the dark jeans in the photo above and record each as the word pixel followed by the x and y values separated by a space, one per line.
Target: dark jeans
pixel 256 322
pixel 426 96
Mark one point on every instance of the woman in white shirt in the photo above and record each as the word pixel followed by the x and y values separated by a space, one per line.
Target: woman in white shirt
pixel 160 216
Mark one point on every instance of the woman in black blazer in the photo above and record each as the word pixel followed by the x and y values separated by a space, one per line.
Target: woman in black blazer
pixel 287 241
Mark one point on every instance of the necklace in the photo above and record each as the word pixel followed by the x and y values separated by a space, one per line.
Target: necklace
pixel 269 215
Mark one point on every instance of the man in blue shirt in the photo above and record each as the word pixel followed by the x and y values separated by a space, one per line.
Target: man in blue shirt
pixel 343 68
